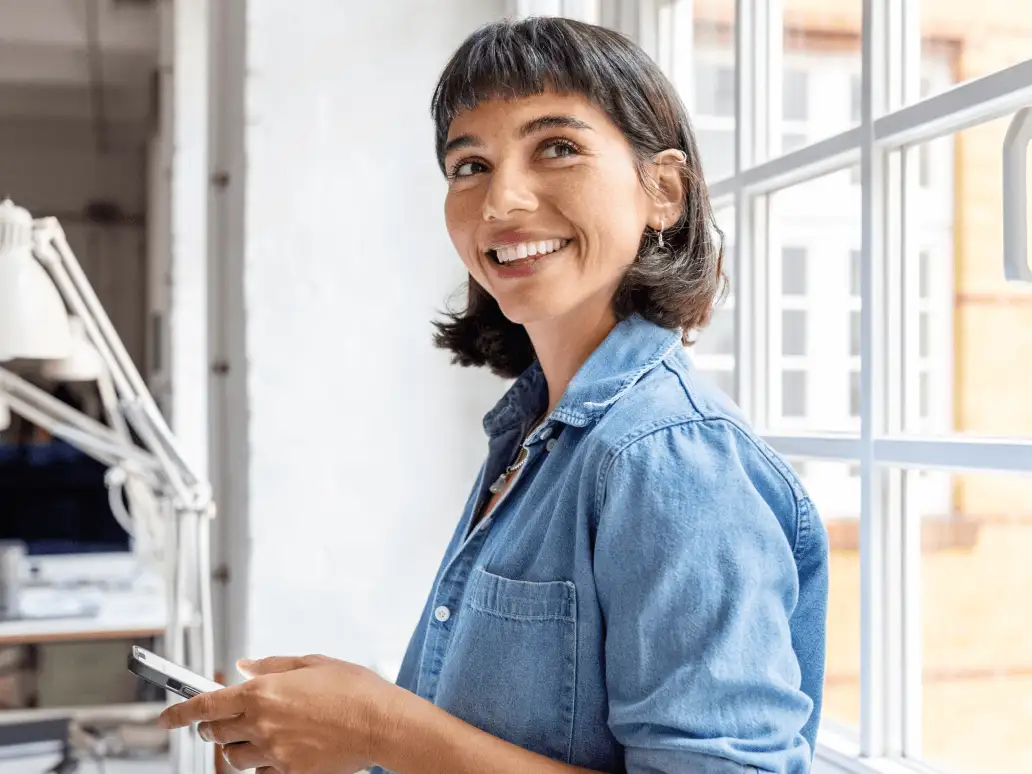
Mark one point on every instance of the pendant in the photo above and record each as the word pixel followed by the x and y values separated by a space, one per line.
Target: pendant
pixel 498 485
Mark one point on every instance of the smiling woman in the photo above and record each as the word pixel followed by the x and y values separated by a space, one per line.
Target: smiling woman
pixel 637 583
pixel 573 124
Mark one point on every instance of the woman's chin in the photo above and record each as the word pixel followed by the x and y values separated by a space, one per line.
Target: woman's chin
pixel 530 310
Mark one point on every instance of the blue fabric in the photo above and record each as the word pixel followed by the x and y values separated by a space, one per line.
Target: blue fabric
pixel 651 594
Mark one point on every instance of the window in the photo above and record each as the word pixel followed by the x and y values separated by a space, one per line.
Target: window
pixel 719 337
pixel 812 227
pixel 855 333
pixel 715 90
pixel 714 348
pixel 793 332
pixel 793 271
pixel 796 96
pixel 793 394
pixel 854 273
pixel 944 537
pixel 854 394
pixel 717 148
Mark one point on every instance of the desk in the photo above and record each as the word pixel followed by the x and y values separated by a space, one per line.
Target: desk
pixel 126 603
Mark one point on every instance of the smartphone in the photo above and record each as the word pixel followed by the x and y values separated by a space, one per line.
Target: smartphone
pixel 172 677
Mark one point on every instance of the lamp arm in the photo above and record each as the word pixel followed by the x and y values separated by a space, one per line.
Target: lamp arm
pixel 61 420
pixel 53 251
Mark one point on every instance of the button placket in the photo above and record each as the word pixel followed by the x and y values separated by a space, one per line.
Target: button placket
pixel 449 596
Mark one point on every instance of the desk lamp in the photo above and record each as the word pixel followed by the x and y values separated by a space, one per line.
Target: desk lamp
pixel 50 312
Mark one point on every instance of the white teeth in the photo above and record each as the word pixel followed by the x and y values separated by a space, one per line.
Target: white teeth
pixel 529 249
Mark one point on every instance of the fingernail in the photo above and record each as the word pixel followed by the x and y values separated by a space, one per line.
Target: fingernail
pixel 163 721
pixel 245 663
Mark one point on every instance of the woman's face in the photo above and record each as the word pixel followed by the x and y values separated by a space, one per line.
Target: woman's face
pixel 544 204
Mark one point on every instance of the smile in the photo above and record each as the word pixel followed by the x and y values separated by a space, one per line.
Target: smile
pixel 509 253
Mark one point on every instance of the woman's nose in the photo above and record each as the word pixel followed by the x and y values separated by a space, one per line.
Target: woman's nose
pixel 509 191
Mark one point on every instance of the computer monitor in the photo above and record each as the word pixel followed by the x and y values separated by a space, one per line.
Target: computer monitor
pixel 53 497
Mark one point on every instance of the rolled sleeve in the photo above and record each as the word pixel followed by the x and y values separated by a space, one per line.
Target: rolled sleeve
pixel 697 581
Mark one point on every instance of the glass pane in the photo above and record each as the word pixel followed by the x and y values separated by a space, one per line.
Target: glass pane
pixel 821 66
pixel 854 271
pixel 793 394
pixel 793 332
pixel 791 141
pixel 962 41
pixel 975 582
pixel 854 394
pixel 714 348
pixel 967 332
pixel 795 95
pixel 924 278
pixel 835 490
pixel 719 337
pixel 793 271
pixel 725 380
pixel 717 148
pixel 813 230
pixel 708 84
pixel 715 89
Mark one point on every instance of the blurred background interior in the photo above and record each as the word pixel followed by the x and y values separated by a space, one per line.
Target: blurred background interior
pixel 251 188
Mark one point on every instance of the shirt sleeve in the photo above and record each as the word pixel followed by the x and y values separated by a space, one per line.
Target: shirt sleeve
pixel 697 581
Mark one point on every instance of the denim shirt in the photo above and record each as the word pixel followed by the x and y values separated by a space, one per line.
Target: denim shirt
pixel 649 596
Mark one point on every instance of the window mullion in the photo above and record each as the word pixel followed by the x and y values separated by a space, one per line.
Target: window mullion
pixel 895 313
pixel 746 315
pixel 908 17
pixel 677 48
pixel 874 516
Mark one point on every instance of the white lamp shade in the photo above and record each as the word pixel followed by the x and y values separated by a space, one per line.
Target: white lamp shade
pixel 83 363
pixel 5 414
pixel 33 317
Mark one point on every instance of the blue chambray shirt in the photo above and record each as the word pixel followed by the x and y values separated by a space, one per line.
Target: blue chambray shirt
pixel 651 594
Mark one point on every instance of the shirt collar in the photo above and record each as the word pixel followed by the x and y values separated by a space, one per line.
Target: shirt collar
pixel 632 349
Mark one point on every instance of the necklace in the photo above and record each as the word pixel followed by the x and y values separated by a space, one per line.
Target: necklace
pixel 521 460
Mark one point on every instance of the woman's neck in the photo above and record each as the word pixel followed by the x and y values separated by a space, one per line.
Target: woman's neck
pixel 563 344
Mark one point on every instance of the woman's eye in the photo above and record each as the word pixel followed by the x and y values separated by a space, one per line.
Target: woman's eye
pixel 467 169
pixel 558 150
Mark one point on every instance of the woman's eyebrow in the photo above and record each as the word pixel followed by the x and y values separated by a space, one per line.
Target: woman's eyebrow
pixel 463 141
pixel 552 122
pixel 533 125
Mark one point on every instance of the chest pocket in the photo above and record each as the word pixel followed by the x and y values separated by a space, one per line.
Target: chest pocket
pixel 511 666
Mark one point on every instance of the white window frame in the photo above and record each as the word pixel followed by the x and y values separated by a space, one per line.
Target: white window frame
pixel 892 116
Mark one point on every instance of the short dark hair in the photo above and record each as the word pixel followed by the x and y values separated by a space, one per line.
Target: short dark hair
pixel 675 284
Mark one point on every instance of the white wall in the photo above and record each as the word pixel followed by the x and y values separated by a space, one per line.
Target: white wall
pixel 53 167
pixel 351 443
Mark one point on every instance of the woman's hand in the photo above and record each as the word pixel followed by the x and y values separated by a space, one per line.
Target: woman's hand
pixel 314 714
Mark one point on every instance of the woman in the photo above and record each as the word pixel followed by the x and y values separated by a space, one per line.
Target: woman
pixel 637 582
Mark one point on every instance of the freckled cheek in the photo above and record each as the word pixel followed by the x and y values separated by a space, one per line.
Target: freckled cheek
pixel 597 206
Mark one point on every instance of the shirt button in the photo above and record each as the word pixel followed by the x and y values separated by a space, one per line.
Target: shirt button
pixel 442 614
pixel 546 433
pixel 551 444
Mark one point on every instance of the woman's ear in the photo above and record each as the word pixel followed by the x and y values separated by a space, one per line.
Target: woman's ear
pixel 667 173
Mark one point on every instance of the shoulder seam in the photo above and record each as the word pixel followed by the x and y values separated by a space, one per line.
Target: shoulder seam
pixel 799 500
